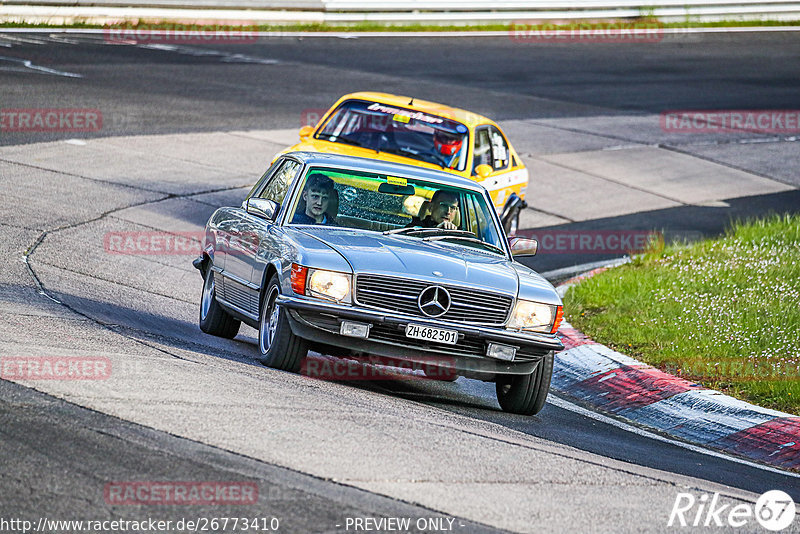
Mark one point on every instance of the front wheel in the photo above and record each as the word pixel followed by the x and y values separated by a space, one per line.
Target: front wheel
pixel 526 394
pixel 280 347
pixel 213 319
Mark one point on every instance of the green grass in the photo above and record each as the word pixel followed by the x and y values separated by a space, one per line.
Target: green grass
pixel 376 27
pixel 725 313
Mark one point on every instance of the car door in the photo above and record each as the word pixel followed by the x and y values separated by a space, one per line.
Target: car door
pixel 508 175
pixel 242 235
pixel 265 246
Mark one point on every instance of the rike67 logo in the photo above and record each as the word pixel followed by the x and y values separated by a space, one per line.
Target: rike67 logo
pixel 774 511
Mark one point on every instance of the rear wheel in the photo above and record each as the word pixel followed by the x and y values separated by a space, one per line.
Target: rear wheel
pixel 526 394
pixel 213 319
pixel 280 347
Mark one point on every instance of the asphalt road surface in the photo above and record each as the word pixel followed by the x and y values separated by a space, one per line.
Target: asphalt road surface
pixel 184 406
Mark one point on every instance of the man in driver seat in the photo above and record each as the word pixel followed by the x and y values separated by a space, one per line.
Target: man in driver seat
pixel 316 199
pixel 440 212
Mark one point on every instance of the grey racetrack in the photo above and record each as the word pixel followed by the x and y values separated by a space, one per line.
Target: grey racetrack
pixel 187 128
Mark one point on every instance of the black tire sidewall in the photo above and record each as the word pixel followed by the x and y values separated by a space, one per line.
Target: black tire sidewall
pixel 287 350
pixel 527 393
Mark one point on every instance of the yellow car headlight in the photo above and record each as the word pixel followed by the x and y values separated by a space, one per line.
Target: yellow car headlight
pixel 329 285
pixel 533 316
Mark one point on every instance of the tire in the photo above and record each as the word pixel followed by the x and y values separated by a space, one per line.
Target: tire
pixel 213 319
pixel 279 347
pixel 526 394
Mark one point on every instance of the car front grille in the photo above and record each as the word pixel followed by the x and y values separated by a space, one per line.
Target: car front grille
pixel 470 306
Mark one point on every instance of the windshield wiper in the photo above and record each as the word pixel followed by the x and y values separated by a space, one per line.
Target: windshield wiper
pixel 466 238
pixel 410 230
pixel 440 232
pixel 416 154
pixel 343 139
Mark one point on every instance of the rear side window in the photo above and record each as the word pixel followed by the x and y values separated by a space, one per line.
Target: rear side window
pixel 491 149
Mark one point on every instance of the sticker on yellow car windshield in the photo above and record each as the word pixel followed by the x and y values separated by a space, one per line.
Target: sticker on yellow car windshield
pixel 416 115
pixel 394 180
pixel 400 118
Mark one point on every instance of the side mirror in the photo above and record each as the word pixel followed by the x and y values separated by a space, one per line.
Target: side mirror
pixel 521 246
pixel 306 132
pixel 262 207
pixel 483 171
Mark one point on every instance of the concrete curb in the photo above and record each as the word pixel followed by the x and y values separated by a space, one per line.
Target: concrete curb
pixel 617 384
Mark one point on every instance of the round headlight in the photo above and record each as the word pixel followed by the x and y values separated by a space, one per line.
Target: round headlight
pixel 329 284
pixel 532 316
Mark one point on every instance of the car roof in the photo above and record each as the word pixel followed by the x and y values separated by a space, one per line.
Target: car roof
pixel 384 167
pixel 462 115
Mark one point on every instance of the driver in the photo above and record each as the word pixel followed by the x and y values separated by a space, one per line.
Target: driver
pixel 443 208
pixel 448 145
pixel 316 197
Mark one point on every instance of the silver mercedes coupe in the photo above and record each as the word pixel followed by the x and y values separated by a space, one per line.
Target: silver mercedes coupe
pixel 351 256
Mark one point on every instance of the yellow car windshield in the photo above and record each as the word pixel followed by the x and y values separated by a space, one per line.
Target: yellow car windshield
pixel 405 132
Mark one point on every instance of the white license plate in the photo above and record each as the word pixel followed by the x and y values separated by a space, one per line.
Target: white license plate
pixel 438 335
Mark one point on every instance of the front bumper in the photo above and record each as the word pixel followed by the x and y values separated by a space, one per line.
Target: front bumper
pixel 319 321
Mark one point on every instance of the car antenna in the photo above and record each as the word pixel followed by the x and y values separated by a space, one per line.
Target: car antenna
pixel 411 102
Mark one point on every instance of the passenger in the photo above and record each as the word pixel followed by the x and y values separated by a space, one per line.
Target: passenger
pixel 440 212
pixel 316 199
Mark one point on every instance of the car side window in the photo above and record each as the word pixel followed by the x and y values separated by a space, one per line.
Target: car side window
pixel 499 149
pixel 280 182
pixel 482 150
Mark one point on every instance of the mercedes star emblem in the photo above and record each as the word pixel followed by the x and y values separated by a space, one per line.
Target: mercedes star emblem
pixel 434 301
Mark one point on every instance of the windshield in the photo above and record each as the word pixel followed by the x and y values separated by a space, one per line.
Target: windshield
pixel 395 205
pixel 405 132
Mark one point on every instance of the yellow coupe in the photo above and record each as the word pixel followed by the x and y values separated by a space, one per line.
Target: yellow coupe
pixel 407 130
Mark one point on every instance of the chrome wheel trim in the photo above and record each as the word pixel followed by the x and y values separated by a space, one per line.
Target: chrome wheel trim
pixel 270 314
pixel 208 295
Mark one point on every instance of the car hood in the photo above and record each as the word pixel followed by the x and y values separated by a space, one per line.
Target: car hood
pixel 392 255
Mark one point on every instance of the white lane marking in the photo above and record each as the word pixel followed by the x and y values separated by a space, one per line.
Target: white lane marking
pixel 26 40
pixel 566 405
pixel 57 38
pixel 28 64
pixel 241 58
pixel 77 142
pixel 201 52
